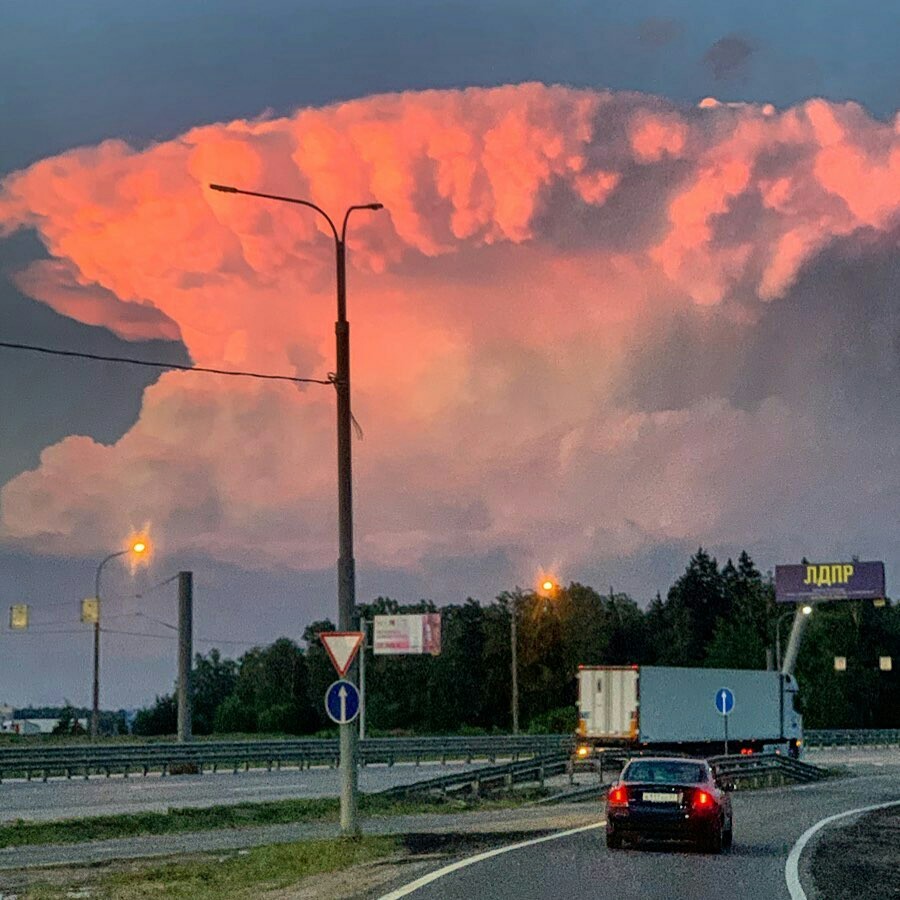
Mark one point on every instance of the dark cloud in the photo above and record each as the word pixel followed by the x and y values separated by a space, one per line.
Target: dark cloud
pixel 728 56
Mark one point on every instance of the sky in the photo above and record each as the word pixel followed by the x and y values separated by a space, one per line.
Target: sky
pixel 634 291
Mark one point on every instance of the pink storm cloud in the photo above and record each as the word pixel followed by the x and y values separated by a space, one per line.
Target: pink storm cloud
pixel 533 238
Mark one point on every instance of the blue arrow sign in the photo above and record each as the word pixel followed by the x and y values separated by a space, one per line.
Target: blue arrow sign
pixel 724 701
pixel 342 702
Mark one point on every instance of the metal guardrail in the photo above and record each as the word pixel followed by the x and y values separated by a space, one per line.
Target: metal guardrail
pixel 852 737
pixel 485 778
pixel 745 768
pixel 170 758
pixel 732 768
pixel 69 760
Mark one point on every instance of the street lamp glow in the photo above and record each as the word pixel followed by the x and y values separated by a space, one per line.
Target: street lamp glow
pixel 547 585
pixel 138 547
pixel 806 610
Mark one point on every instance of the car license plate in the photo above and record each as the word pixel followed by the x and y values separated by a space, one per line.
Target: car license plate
pixel 652 797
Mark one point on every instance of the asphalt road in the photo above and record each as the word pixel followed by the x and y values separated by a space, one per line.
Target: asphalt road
pixel 767 824
pixel 64 799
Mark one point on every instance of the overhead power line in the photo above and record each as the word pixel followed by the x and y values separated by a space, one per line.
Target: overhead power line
pixel 154 364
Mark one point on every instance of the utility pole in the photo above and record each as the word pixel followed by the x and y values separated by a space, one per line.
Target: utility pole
pixel 513 642
pixel 185 652
pixel 137 548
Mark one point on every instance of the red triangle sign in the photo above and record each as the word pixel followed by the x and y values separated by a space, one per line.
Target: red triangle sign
pixel 342 647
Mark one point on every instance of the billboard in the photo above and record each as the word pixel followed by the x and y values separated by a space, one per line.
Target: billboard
pixel 829 581
pixel 407 634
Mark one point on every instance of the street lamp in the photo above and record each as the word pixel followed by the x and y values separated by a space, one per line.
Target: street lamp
pixel 548 589
pixel 806 609
pixel 346 565
pixel 138 547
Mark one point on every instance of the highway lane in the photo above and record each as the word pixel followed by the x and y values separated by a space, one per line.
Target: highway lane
pixel 64 799
pixel 767 824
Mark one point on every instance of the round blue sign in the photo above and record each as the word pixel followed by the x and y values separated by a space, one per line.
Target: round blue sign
pixel 724 701
pixel 342 702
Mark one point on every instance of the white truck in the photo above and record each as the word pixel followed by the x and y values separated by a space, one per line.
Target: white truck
pixel 668 708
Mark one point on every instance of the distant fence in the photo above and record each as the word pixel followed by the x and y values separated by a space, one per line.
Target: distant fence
pixel 69 760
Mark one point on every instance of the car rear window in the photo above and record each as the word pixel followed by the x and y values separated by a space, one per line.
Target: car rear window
pixel 662 772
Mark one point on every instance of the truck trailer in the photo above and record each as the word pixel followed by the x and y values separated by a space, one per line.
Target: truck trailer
pixel 674 709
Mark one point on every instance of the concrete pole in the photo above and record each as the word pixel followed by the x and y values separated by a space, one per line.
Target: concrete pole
pixel 513 610
pixel 95 704
pixel 346 567
pixel 185 653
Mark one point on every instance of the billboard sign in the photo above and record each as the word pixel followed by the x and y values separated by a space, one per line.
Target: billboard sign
pixel 407 634
pixel 829 581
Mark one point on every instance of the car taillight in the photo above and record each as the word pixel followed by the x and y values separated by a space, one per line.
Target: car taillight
pixel 702 800
pixel 618 796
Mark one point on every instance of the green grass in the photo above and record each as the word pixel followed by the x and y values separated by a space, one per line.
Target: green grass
pixel 242 815
pixel 234 877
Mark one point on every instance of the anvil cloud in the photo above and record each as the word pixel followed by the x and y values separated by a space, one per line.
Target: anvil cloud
pixel 551 266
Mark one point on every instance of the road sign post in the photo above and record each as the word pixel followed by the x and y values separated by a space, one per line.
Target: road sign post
pixel 725 704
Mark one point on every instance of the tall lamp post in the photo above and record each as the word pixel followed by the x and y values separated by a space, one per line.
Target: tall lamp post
pixel 548 588
pixel 138 547
pixel 345 566
pixel 806 609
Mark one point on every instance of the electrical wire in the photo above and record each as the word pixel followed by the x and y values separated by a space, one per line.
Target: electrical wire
pixel 162 637
pixel 154 364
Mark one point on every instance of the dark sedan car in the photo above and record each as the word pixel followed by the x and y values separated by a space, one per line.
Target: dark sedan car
pixel 669 799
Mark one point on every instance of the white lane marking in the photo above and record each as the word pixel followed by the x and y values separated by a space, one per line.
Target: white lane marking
pixel 471 860
pixel 791 867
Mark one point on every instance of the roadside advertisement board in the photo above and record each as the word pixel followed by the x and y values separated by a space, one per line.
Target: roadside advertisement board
pixel 829 581
pixel 407 634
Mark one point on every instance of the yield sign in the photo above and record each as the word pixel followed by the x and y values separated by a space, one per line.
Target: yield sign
pixel 342 647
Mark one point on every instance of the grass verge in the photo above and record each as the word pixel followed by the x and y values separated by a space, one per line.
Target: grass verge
pixel 241 815
pixel 234 876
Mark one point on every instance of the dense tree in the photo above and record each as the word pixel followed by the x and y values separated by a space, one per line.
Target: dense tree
pixel 710 617
pixel 212 680
pixel 161 718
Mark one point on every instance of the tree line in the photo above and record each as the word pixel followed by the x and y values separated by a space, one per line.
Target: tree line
pixel 713 616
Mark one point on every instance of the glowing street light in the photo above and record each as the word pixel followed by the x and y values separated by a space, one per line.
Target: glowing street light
pixel 547 587
pixel 138 547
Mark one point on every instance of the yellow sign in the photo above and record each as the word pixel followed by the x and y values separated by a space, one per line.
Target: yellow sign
pixel 885 663
pixel 18 617
pixel 90 610
pixel 840 664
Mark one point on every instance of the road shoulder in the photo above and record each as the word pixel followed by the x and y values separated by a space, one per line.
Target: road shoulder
pixel 859 860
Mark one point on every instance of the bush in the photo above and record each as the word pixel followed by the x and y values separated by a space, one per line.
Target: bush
pixel 234 716
pixel 281 718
